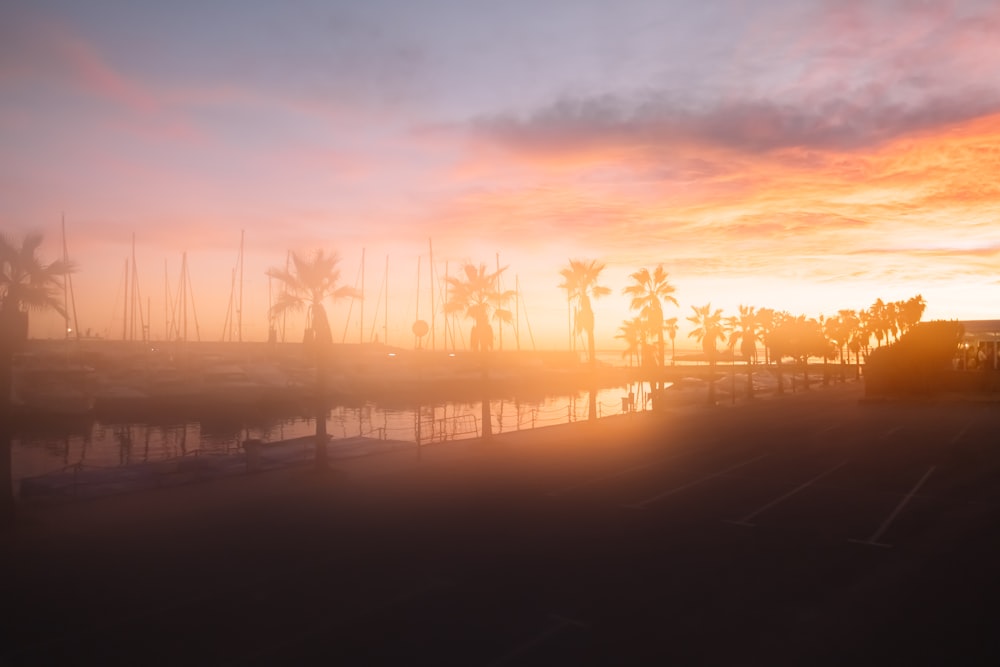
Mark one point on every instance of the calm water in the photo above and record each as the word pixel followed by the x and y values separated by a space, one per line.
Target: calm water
pixel 100 445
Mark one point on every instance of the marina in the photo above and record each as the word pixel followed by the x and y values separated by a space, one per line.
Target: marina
pixel 89 457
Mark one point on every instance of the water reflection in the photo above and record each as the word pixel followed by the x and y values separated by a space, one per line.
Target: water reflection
pixel 46 448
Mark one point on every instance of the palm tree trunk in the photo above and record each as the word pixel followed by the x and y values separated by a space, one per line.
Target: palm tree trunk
pixel 321 391
pixel 592 375
pixel 711 382
pixel 658 400
pixel 485 415
pixel 7 503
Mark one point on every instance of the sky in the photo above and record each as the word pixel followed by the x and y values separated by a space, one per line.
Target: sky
pixel 799 155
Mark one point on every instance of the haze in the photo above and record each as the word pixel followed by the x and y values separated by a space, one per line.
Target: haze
pixel 805 156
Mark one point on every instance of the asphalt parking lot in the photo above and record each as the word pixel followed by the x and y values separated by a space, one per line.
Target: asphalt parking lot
pixel 806 529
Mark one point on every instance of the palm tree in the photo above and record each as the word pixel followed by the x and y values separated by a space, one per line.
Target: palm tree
pixel 708 331
pixel 670 326
pixel 310 282
pixel 910 312
pixel 477 296
pixel 877 321
pixel 743 330
pixel 800 338
pixel 765 324
pixel 26 283
pixel 580 282
pixel 647 292
pixel 842 330
pixel 633 333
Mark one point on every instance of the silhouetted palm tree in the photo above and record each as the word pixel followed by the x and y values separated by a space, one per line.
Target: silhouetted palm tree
pixel 580 282
pixel 632 331
pixel 910 312
pixel 647 293
pixel 743 331
pixel 26 283
pixel 310 282
pixel 878 321
pixel 670 326
pixel 476 295
pixel 800 338
pixel 765 324
pixel 708 331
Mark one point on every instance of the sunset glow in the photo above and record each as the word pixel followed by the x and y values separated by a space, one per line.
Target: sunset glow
pixel 802 156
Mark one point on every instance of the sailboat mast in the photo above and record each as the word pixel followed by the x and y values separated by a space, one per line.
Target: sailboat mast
pixel 131 319
pixel 499 320
pixel 239 312
pixel 69 299
pixel 125 305
pixel 517 312
pixel 361 329
pixel 385 318
pixel 447 322
pixel 430 247
pixel 184 286
pixel 166 302
pixel 65 281
pixel 416 339
pixel 284 290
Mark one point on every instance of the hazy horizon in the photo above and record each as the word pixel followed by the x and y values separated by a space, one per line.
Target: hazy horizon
pixel 801 156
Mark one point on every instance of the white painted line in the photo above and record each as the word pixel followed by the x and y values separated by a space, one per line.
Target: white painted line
pixel 827 431
pixel 558 623
pixel 643 503
pixel 873 540
pixel 620 473
pixel 961 434
pixel 892 431
pixel 745 521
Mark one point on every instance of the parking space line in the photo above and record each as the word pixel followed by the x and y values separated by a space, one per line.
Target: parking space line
pixel 745 521
pixel 604 478
pixel 558 623
pixel 648 501
pixel 961 434
pixel 873 540
pixel 892 431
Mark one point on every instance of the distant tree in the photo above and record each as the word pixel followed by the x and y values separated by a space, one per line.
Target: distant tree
pixel 743 331
pixel 838 330
pixel 648 291
pixel 800 338
pixel 670 326
pixel 26 284
pixel 910 312
pixel 475 293
pixel 765 324
pixel 708 331
pixel 632 332
pixel 878 321
pixel 309 282
pixel 580 282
